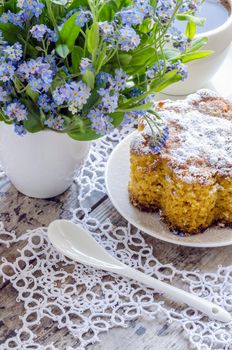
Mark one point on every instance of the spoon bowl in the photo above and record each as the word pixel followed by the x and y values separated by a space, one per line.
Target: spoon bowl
pixel 75 243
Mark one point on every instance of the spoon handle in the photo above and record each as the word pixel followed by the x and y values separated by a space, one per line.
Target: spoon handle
pixel 210 309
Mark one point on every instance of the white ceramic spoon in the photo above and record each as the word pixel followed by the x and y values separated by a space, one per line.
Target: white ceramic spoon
pixel 77 244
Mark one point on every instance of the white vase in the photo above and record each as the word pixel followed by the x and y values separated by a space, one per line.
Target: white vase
pixel 202 71
pixel 42 164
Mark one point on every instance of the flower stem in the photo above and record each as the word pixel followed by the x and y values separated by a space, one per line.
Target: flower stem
pixel 52 17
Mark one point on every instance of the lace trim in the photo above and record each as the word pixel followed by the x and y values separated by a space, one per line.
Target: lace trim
pixel 88 301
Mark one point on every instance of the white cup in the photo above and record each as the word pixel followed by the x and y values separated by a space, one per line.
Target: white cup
pixel 202 71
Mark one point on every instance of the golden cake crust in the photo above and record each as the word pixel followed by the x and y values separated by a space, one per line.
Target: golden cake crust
pixel 190 179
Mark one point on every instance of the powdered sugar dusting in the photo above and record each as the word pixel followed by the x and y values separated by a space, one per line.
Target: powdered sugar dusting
pixel 200 143
pixel 205 145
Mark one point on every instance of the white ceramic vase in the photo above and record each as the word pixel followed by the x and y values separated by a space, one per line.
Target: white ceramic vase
pixel 42 164
pixel 202 71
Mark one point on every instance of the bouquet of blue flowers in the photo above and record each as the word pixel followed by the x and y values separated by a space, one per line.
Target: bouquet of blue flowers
pixel 84 67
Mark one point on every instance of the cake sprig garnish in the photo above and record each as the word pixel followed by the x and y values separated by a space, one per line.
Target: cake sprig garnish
pixel 159 131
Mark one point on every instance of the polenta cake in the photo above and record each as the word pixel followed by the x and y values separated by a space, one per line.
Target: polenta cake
pixel 187 173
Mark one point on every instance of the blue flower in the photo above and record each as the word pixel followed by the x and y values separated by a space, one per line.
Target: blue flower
pixel 164 10
pixel 101 123
pixel 75 95
pixel 38 73
pixel 144 7
pixel 119 82
pixel 16 111
pixel 55 122
pixel 85 64
pixel 83 17
pixel 190 5
pixel 45 103
pixel 3 95
pixel 103 78
pixel 134 92
pixel 19 129
pixel 157 144
pixel 129 118
pixel 61 94
pixel 157 68
pixel 7 70
pixel 30 8
pixel 131 16
pixel 106 28
pixel 39 31
pixel 179 41
pixel 6 17
pixel 53 36
pixel 128 39
pixel 35 83
pixel 181 69
pixel 13 52
pixel 79 94
pixel 13 18
pixel 109 100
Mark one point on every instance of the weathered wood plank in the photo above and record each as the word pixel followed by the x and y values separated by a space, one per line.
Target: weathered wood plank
pixel 144 335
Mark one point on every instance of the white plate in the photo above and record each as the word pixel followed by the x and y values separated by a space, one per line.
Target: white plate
pixel 117 177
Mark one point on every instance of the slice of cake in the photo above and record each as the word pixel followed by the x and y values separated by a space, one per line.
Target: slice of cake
pixel 187 175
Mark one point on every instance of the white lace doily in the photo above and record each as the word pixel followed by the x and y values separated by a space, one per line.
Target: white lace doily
pixel 86 301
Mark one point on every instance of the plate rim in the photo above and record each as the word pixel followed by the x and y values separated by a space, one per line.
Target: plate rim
pixel 141 227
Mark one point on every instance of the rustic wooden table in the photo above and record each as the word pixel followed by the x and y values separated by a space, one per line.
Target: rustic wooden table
pixel 20 213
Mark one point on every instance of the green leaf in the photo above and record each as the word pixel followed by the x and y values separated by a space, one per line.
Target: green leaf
pixel 171 54
pixel 136 107
pixel 191 30
pixel 99 62
pixel 60 2
pixel 88 135
pixel 32 94
pixel 124 59
pixel 108 10
pixel 146 26
pixel 62 50
pixel 59 79
pixel 117 118
pixel 122 3
pixel 197 44
pixel 89 78
pixel 4 118
pixel 13 33
pixel 33 122
pixel 77 3
pixel 91 102
pixel 69 32
pixel 171 81
pixel 196 55
pixel 190 18
pixel 160 83
pixel 77 54
pixel 83 130
pixel 142 56
pixel 10 5
pixel 1 116
pixel 93 38
pixel 134 100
